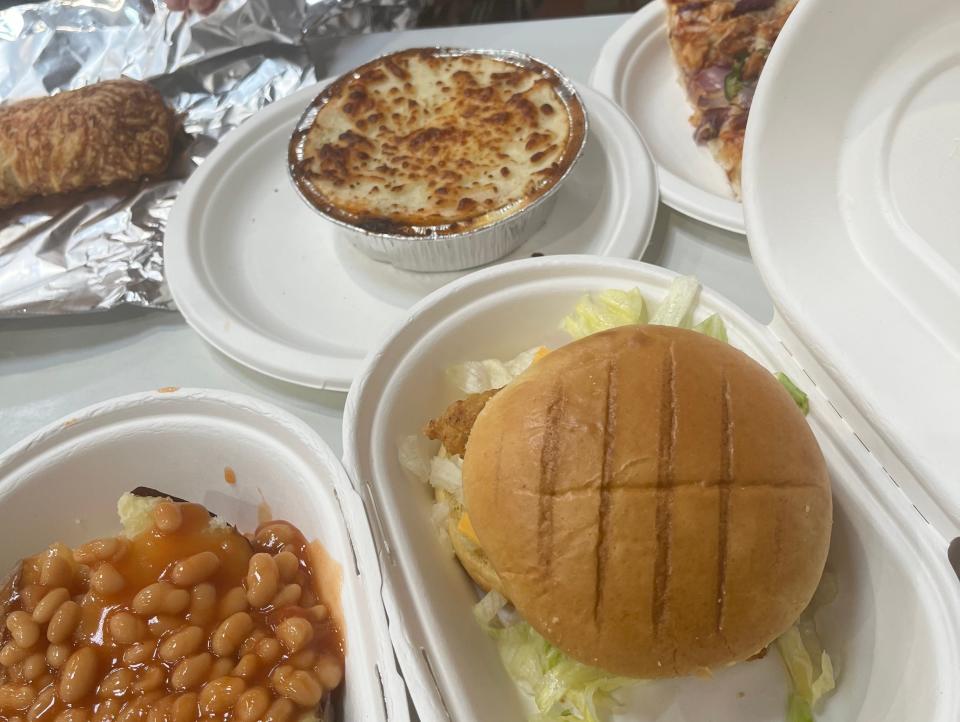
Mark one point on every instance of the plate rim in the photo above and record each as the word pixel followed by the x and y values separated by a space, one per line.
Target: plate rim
pixel 206 311
pixel 679 194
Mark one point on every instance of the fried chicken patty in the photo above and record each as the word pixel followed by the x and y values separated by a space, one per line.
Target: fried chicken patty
pixel 452 427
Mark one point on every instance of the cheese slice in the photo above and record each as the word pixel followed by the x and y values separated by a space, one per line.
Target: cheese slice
pixel 465 527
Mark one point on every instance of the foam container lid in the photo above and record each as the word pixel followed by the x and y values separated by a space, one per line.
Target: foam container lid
pixel 893 630
pixel 62 484
pixel 852 215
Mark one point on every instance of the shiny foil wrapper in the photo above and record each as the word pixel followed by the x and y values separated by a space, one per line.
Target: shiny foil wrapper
pixel 92 251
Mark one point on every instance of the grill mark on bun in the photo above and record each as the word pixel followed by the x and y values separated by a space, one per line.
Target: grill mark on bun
pixel 664 517
pixel 724 485
pixel 589 489
pixel 497 467
pixel 606 477
pixel 549 456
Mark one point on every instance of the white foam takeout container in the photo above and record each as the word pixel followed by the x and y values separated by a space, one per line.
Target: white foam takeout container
pixel 62 484
pixel 861 244
pixel 636 70
pixel 893 630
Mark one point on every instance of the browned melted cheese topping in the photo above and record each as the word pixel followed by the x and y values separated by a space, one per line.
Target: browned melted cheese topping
pixel 424 141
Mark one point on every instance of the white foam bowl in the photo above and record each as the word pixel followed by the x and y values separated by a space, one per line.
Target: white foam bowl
pixel 62 484
pixel 893 629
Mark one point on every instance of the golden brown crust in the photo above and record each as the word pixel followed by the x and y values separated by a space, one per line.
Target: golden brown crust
pixel 652 500
pixel 712 39
pixel 452 427
pixel 436 140
pixel 117 130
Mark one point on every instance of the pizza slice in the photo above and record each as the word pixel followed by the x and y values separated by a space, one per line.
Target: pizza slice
pixel 720 47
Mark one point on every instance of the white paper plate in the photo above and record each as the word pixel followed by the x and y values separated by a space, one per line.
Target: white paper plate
pixel 262 278
pixel 637 71
pixel 62 484
pixel 852 192
pixel 893 631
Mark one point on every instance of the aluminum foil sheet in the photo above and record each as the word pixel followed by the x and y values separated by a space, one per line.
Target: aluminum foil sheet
pixel 93 251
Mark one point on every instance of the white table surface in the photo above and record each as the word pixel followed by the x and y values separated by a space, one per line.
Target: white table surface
pixel 51 367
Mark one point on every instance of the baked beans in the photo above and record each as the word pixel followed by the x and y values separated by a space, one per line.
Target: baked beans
pixel 295 633
pixel 126 628
pixel 186 621
pixel 63 622
pixel 250 643
pixel 221 695
pixel 137 653
pixel 280 711
pixel 147 601
pixel 151 677
pixel 296 685
pixel 23 629
pixel 195 569
pixel 57 655
pixel 175 601
pixel 182 643
pixel 231 632
pixel 263 578
pixel 287 596
pixel 269 650
pixel 98 550
pixel 288 565
pixel 79 675
pixel 184 708
pixel 247 666
pixel 14 697
pixel 162 623
pixel 191 672
pixel 221 667
pixel 30 597
pixel 50 602
pixel 56 571
pixel 117 682
pixel 76 714
pixel 252 705
pixel 106 580
pixel 233 601
pixel 34 667
pixel 167 517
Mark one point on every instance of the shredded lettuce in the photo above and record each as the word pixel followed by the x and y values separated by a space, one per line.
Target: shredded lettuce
pixel 562 689
pixel 414 456
pixel 613 308
pixel 442 471
pixel 798 710
pixel 487 609
pixel 677 308
pixel 439 513
pixel 475 377
pixel 446 472
pixel 809 667
pixel 714 327
pixel 799 397
pixel 604 310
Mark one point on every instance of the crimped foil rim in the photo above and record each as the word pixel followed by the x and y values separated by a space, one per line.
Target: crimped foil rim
pixel 567 93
